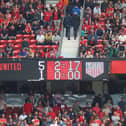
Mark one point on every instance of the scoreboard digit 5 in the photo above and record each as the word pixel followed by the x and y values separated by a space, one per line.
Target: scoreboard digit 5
pixel 64 70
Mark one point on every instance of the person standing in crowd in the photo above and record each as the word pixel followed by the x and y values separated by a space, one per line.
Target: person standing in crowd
pixel 56 17
pixel 2 106
pixel 75 24
pixel 67 24
pixel 28 107
pixel 3 120
pixel 122 104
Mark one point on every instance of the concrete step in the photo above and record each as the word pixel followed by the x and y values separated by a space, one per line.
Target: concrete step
pixel 70 48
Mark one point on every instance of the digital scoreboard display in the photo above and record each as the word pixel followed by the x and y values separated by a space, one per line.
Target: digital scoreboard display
pixel 53 69
pixel 64 70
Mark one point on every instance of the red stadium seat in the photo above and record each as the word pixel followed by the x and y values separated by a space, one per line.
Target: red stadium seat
pixel 27 36
pixel 99 41
pixel 27 39
pixel 33 41
pixel 55 46
pixel 102 19
pixel 16 52
pixel 15 57
pixel 18 41
pixel 33 46
pixel 17 46
pixel 11 41
pixel 32 36
pixel 3 46
pixel 40 47
pixel 19 36
pixel 47 46
pixel 99 46
pixel 3 41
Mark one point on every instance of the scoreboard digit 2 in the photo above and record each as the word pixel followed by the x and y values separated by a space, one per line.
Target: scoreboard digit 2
pixel 64 70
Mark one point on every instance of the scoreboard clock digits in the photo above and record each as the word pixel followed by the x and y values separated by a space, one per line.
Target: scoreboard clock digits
pixel 64 70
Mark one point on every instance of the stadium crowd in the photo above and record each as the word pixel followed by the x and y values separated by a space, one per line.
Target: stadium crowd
pixel 29 28
pixel 103 32
pixel 53 111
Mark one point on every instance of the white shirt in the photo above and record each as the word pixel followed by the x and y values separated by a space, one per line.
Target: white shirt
pixel 40 38
pixel 22 117
pixel 94 124
pixel 122 38
pixel 97 10
pixel 54 124
pixel 115 119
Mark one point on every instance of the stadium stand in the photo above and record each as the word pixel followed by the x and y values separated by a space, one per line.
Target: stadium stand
pixel 62 110
pixel 29 27
pixel 103 30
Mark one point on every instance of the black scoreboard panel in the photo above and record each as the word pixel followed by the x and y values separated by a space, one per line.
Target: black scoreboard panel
pixel 57 69
pixel 22 70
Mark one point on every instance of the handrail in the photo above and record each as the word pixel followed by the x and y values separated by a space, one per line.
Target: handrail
pixel 62 33
pixel 81 20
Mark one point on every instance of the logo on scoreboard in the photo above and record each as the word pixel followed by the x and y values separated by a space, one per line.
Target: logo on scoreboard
pixel 94 69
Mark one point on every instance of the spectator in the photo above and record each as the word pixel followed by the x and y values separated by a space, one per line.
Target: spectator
pixel 76 10
pixel 56 17
pixel 9 49
pixel 96 108
pixel 104 6
pixel 97 11
pixel 89 3
pixel 35 27
pixel 75 24
pixel 122 104
pixel 35 121
pixel 21 18
pixel 40 38
pixel 20 28
pixel 37 54
pixel 48 38
pixel 4 33
pixel 28 107
pixel 3 120
pixel 76 107
pixel 67 24
pixel 23 53
pixel 115 118
pixel 77 3
pixel 47 17
pixel 1 53
pixel 29 119
pixel 15 119
pixel 22 118
pixel 92 38
pixel 2 106
pixel 56 38
pixel 117 5
pixel 100 32
pixel 12 32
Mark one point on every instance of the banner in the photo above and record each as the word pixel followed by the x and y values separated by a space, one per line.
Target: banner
pixel 118 67
pixel 96 70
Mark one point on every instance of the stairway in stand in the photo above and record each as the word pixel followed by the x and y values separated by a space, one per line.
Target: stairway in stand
pixel 70 47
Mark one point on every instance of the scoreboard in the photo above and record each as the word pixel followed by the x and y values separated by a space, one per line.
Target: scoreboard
pixel 64 70
pixel 53 69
